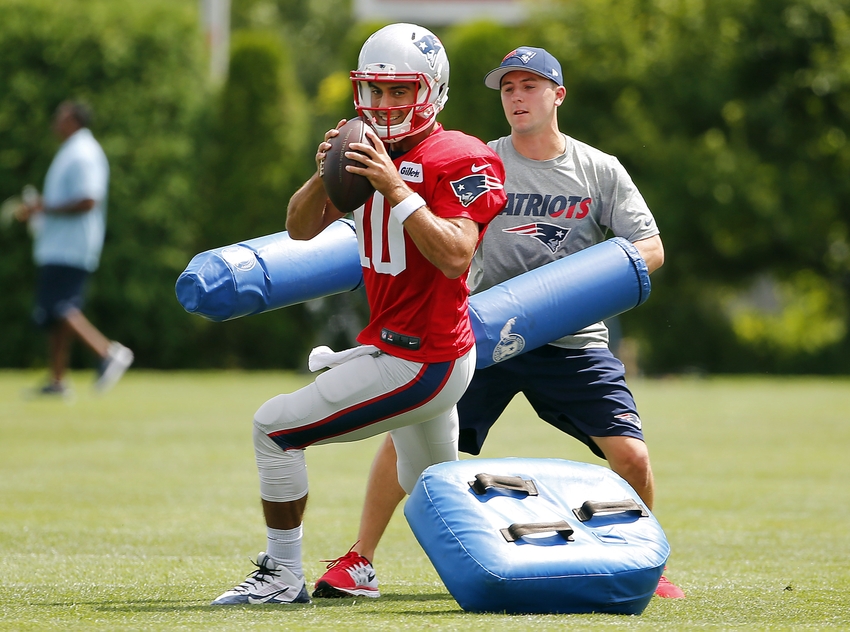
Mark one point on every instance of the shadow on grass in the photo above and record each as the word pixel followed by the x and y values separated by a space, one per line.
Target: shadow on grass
pixel 181 605
pixel 403 597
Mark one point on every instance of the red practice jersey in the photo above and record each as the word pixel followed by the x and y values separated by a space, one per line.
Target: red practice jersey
pixel 417 313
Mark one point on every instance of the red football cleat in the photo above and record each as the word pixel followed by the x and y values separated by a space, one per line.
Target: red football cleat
pixel 351 575
pixel 668 589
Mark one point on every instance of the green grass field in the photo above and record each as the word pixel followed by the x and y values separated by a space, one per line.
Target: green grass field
pixel 133 510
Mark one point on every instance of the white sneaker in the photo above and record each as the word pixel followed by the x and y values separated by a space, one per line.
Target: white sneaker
pixel 118 360
pixel 270 583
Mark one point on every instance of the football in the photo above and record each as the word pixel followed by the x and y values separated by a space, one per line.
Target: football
pixel 348 191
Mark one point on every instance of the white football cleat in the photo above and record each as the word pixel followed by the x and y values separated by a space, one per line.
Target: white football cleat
pixel 270 583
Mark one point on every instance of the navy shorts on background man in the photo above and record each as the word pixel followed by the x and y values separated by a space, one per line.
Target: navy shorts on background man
pixel 581 392
pixel 59 289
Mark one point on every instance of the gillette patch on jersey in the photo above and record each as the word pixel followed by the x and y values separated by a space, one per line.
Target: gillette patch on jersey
pixel 410 171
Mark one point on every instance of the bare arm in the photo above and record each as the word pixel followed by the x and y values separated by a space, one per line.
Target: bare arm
pixel 448 243
pixel 652 251
pixel 71 208
pixel 310 211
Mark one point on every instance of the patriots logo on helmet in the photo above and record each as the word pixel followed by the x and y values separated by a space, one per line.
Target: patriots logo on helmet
pixel 470 188
pixel 429 46
pixel 549 235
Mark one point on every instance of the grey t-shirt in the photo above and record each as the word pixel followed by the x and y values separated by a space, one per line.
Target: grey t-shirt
pixel 555 208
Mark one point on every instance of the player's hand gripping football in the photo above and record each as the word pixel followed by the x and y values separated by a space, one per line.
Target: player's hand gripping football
pixel 378 167
pixel 325 146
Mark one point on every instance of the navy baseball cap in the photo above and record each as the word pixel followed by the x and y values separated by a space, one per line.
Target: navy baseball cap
pixel 529 59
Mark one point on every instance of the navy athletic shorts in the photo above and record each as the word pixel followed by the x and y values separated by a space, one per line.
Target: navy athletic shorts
pixel 59 289
pixel 582 392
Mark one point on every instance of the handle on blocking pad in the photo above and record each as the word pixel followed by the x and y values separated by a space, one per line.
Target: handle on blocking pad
pixel 592 507
pixel 513 483
pixel 516 530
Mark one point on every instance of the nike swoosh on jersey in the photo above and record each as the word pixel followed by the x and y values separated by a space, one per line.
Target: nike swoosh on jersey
pixel 476 168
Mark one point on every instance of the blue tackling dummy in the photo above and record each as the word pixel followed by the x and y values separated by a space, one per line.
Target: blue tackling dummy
pixel 520 314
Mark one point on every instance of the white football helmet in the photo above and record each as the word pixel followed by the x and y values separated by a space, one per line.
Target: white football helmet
pixel 402 53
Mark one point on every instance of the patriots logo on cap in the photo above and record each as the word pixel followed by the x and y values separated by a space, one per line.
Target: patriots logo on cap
pixel 549 235
pixel 470 188
pixel 526 56
pixel 429 46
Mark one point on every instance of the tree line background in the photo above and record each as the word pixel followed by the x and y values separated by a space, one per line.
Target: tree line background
pixel 730 115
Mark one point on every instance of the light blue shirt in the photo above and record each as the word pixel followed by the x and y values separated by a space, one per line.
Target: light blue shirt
pixel 79 171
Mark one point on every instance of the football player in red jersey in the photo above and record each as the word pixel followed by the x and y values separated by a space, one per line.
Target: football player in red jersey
pixel 435 192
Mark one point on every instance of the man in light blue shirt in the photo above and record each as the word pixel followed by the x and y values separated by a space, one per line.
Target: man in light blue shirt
pixel 69 223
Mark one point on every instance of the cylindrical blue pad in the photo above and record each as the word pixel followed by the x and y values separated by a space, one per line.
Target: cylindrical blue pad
pixel 558 299
pixel 515 316
pixel 270 272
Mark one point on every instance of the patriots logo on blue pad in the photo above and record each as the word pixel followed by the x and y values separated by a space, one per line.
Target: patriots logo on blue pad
pixel 470 188
pixel 549 235
pixel 429 46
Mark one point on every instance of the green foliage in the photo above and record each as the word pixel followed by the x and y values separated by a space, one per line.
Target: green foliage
pixel 474 50
pixel 334 99
pixel 256 159
pixel 141 67
pixel 316 30
pixel 255 145
pixel 802 314
pixel 731 118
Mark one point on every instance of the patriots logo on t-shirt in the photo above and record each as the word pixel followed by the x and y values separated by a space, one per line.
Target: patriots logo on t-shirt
pixel 549 235
pixel 429 46
pixel 470 188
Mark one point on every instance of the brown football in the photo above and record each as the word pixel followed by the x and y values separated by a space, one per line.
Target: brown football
pixel 348 191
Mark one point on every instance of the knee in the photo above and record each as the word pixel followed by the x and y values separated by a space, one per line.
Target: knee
pixel 270 412
pixel 627 456
pixel 283 473
pixel 286 410
pixel 633 465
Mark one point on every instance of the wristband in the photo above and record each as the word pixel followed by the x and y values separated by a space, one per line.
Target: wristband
pixel 407 207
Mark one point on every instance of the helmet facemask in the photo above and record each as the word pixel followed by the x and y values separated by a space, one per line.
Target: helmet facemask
pixel 385 119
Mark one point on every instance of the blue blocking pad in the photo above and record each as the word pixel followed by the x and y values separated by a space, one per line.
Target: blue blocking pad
pixel 270 272
pixel 557 299
pixel 510 318
pixel 522 535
